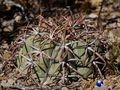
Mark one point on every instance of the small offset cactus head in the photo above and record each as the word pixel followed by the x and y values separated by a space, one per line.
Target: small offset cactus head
pixel 99 83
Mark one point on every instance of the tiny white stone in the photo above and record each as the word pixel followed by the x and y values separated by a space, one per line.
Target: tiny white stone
pixel 93 16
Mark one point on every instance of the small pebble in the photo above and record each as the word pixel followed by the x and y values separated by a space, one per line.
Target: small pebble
pixel 93 16
pixel 64 88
